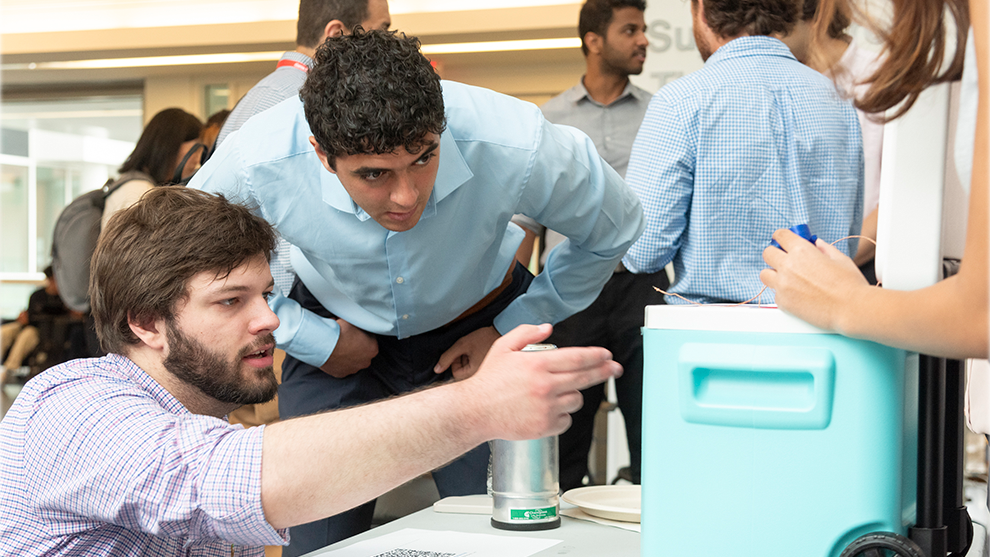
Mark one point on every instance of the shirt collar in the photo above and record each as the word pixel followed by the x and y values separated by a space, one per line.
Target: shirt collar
pixel 132 371
pixel 579 92
pixel 453 172
pixel 298 57
pixel 757 45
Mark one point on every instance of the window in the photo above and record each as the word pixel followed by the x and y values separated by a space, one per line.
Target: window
pixel 216 97
pixel 53 151
pixel 14 219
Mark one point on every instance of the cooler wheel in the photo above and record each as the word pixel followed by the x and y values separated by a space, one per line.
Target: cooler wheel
pixel 883 544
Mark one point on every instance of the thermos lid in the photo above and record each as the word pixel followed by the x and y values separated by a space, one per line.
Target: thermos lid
pixel 539 347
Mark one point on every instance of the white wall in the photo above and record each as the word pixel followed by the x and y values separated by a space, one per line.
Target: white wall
pixel 672 51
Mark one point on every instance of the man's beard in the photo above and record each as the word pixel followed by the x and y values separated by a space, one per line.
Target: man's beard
pixel 196 365
pixel 619 64
pixel 701 42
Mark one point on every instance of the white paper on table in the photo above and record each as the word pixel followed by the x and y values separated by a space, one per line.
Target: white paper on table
pixel 577 513
pixel 414 542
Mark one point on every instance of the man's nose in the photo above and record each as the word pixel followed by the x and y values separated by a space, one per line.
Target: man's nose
pixel 404 193
pixel 265 320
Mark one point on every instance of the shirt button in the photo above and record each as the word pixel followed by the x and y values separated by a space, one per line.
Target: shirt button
pixel 400 280
pixel 406 316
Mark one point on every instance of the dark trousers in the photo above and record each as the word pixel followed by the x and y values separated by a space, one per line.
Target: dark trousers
pixel 614 321
pixel 401 365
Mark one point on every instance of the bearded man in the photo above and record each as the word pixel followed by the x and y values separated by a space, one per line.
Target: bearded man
pixel 130 454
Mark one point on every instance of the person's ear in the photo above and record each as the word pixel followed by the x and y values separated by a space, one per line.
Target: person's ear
pixel 149 331
pixel 334 28
pixel 593 41
pixel 322 155
pixel 701 12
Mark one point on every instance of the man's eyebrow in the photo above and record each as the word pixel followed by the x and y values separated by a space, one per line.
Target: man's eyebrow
pixel 433 146
pixel 227 289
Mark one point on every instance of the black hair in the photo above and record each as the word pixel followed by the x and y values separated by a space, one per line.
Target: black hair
pixel 157 150
pixel 315 14
pixel 372 92
pixel 596 15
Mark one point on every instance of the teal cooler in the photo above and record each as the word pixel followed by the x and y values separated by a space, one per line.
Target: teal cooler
pixel 766 437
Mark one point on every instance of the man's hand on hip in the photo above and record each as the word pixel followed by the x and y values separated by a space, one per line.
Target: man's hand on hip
pixel 354 351
pixel 465 356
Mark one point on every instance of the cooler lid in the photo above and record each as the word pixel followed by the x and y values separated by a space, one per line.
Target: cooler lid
pixel 727 318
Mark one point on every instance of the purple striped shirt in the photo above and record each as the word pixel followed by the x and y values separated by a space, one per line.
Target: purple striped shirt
pixel 97 458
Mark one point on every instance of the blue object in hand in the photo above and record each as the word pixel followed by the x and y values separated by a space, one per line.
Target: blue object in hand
pixel 801 230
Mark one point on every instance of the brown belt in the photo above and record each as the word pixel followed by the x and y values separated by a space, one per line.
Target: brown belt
pixel 490 297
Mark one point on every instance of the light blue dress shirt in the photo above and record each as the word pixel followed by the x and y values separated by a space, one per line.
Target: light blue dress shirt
pixel 281 84
pixel 498 157
pixel 752 142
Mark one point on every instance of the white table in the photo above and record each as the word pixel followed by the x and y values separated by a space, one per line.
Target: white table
pixel 581 538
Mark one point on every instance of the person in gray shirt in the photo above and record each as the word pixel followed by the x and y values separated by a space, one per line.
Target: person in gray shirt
pixel 606 106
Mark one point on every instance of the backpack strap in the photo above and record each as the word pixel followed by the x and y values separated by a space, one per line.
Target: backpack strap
pixel 113 185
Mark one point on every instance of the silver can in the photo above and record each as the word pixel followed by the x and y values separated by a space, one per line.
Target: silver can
pixel 524 478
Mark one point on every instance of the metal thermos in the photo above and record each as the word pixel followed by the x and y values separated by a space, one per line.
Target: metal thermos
pixel 524 480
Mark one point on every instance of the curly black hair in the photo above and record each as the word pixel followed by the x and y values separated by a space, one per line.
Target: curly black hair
pixel 731 18
pixel 371 92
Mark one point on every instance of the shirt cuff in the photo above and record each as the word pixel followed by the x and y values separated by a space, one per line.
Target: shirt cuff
pixel 517 314
pixel 304 335
pixel 527 223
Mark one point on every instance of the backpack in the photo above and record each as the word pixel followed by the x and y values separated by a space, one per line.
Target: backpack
pixel 76 231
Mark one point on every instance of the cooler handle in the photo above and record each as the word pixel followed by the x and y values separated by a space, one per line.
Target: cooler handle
pixel 764 387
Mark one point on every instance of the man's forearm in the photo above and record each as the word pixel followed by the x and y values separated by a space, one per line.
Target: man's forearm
pixel 321 465
pixel 317 466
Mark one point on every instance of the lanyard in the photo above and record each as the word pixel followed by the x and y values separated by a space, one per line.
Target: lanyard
pixel 297 65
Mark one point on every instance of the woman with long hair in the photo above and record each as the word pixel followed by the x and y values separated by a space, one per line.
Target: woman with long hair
pixel 822 286
pixel 167 152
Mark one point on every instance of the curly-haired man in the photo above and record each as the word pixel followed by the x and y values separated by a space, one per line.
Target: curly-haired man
pixel 396 191
pixel 752 142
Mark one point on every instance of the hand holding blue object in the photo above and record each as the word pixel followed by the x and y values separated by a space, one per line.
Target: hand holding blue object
pixel 801 230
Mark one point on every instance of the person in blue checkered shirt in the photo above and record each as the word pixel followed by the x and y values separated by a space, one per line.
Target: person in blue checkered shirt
pixel 753 142
pixel 130 454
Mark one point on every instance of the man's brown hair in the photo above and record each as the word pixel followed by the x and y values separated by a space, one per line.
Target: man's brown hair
pixel 148 253
pixel 732 18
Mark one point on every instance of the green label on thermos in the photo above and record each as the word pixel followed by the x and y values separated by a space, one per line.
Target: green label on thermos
pixel 533 514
